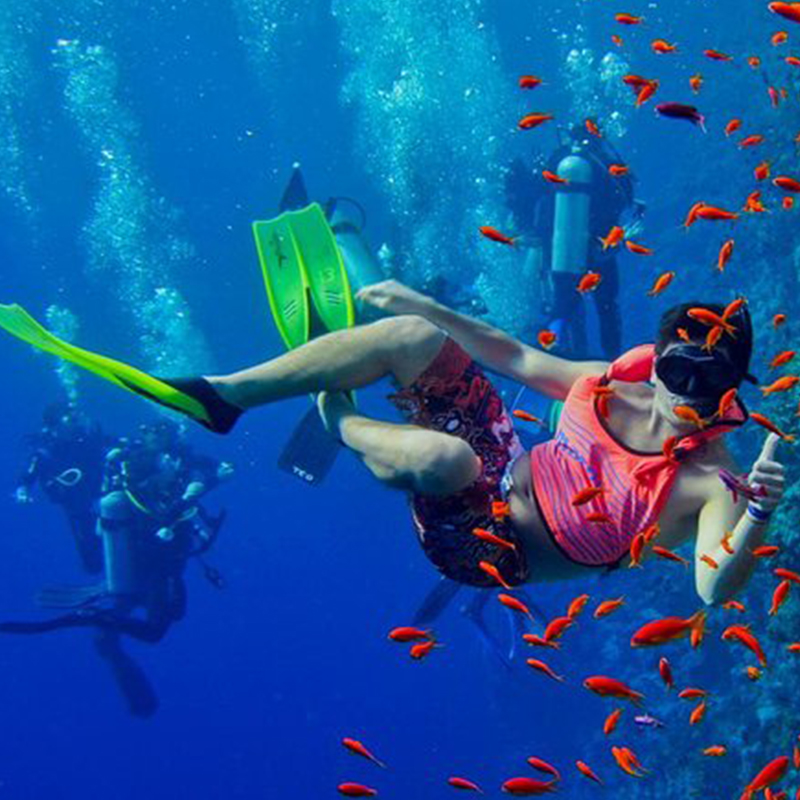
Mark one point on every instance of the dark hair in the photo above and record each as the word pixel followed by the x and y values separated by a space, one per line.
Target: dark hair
pixel 738 349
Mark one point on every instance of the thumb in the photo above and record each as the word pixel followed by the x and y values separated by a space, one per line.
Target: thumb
pixel 770 445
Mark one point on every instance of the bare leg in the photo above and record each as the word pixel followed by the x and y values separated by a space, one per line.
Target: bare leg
pixel 399 346
pixel 405 457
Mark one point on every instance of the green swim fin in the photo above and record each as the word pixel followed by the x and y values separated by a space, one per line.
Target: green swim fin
pixel 304 275
pixel 18 322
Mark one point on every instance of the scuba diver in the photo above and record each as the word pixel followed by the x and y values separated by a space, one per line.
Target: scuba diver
pixel 67 465
pixel 151 523
pixel 562 226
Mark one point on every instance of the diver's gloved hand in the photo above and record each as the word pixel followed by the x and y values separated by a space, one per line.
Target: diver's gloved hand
pixel 394 297
pixel 767 473
pixel 224 470
pixel 22 495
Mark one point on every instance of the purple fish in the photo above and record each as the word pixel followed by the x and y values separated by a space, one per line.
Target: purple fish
pixel 646 721
pixel 739 486
pixel 681 111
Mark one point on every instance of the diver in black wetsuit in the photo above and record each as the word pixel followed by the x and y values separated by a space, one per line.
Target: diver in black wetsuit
pixel 67 465
pixel 151 522
pixel 566 222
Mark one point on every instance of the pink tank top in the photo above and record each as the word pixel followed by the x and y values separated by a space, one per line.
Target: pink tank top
pixel 585 453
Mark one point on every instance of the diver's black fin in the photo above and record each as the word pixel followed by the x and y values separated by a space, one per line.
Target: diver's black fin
pixel 69 596
pixel 311 451
pixel 295 195
pixel 131 680
pixel 436 601
pixel 474 612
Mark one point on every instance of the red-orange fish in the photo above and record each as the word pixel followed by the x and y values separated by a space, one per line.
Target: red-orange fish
pixel 586 495
pixel 599 517
pixel 754 673
pixel 589 282
pixel 789 574
pixel 725 253
pixel 628 19
pixel 464 784
pixel 422 650
pixel 515 605
pixel 751 141
pixel 669 555
pixel 533 120
pixel 779 37
pixel 638 249
pixel 492 233
pixel 354 746
pixel 611 721
pixel 683 334
pixel 712 338
pixel 540 666
pixel 777 768
pixel 608 607
pixel 618 170
pixel 754 62
pixel 539 641
pixel 726 402
pixel 492 571
pixel 765 551
pixel 661 283
pixel 491 538
pixel 716 750
pixel 792 61
pixel 733 126
pixel 715 55
pixel 592 127
pixel 692 693
pixel 610 687
pixel 660 47
pixel 707 317
pixel 734 605
pixel 646 92
pixel 707 559
pixel 527 787
pixel 617 40
pixel 761 172
pixel 356 790
pixel 667 630
pixel 733 307
pixel 781 385
pixel 546 338
pixel 586 770
pixel 544 766
pixel 779 596
pixel 556 628
pixel 613 237
pixel 408 633
pixel 778 320
pixel 698 713
pixel 742 634
pixel 790 11
pixel 787 203
pixel 786 183
pixel 696 82
pixel 500 510
pixel 665 671
pixel 714 214
pixel 577 605
pixel 529 82
pixel 767 423
pixel 551 177
pixel 690 415
pixel 636 550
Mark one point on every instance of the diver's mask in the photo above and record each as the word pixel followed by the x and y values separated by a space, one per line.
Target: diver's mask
pixel 691 372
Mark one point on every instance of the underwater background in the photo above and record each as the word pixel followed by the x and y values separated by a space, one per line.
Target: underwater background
pixel 138 141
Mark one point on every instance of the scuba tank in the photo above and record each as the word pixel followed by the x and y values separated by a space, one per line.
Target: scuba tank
pixel 572 210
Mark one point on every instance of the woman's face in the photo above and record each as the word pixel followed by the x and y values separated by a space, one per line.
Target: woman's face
pixel 665 400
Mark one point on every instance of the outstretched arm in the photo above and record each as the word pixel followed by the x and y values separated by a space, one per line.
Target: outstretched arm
pixel 491 347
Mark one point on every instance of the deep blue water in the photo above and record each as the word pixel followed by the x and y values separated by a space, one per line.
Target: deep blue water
pixel 261 680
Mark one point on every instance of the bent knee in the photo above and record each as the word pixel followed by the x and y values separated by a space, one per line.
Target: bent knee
pixel 445 467
pixel 413 342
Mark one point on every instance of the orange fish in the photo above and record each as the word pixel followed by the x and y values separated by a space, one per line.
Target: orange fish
pixel 539 641
pixel 661 283
pixel 733 605
pixel 667 630
pixel 774 96
pixel 627 761
pixel 577 605
pixel 500 510
pixel 665 671
pixel 408 634
pixel 611 721
pixel 742 634
pixel 767 423
pixel 696 82
pixel 463 783
pixel 356 790
pixel 761 172
pixel 589 282
pixel 661 47
pixel 781 385
pixel 636 82
pixel 779 37
pixel 787 203
pixel 708 317
pixel 608 607
pixel 515 605
pixel 725 253
pixel 754 62
pixel 636 550
pixel 779 596
pixel 613 237
pixel 628 19
pixel 733 126
pixel 546 339
pixel 789 574
pixel 543 766
pixel 690 415
pixel 651 532
pixel 669 555
pixel 732 308
pixel 706 559
pixel 754 673
pixel 786 183
pixel 778 320
pixel 794 647
pixel 698 713
pixel 712 338
pixel 609 687
pixel 529 82
pixel 618 170
pixel 492 233
pixel 491 570
pixel 591 126
pixel 489 537
pixel 715 55
pixel 638 249
pixel 691 216
pixel 683 334
pixel 542 667
pixel 354 746
pixel 534 120
pixel 586 495
pixel 714 214
pixel 646 92
pixel 617 40
pixel 715 750
pixel 692 693
pixel 527 787
pixel 751 141
pixel 586 770
pixel 765 551
pixel 556 628
pixel 792 61
pixel 524 415
pixel 753 204
pixel 599 517
pixel 726 402
pixel 552 177
pixel 777 768
pixel 421 650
